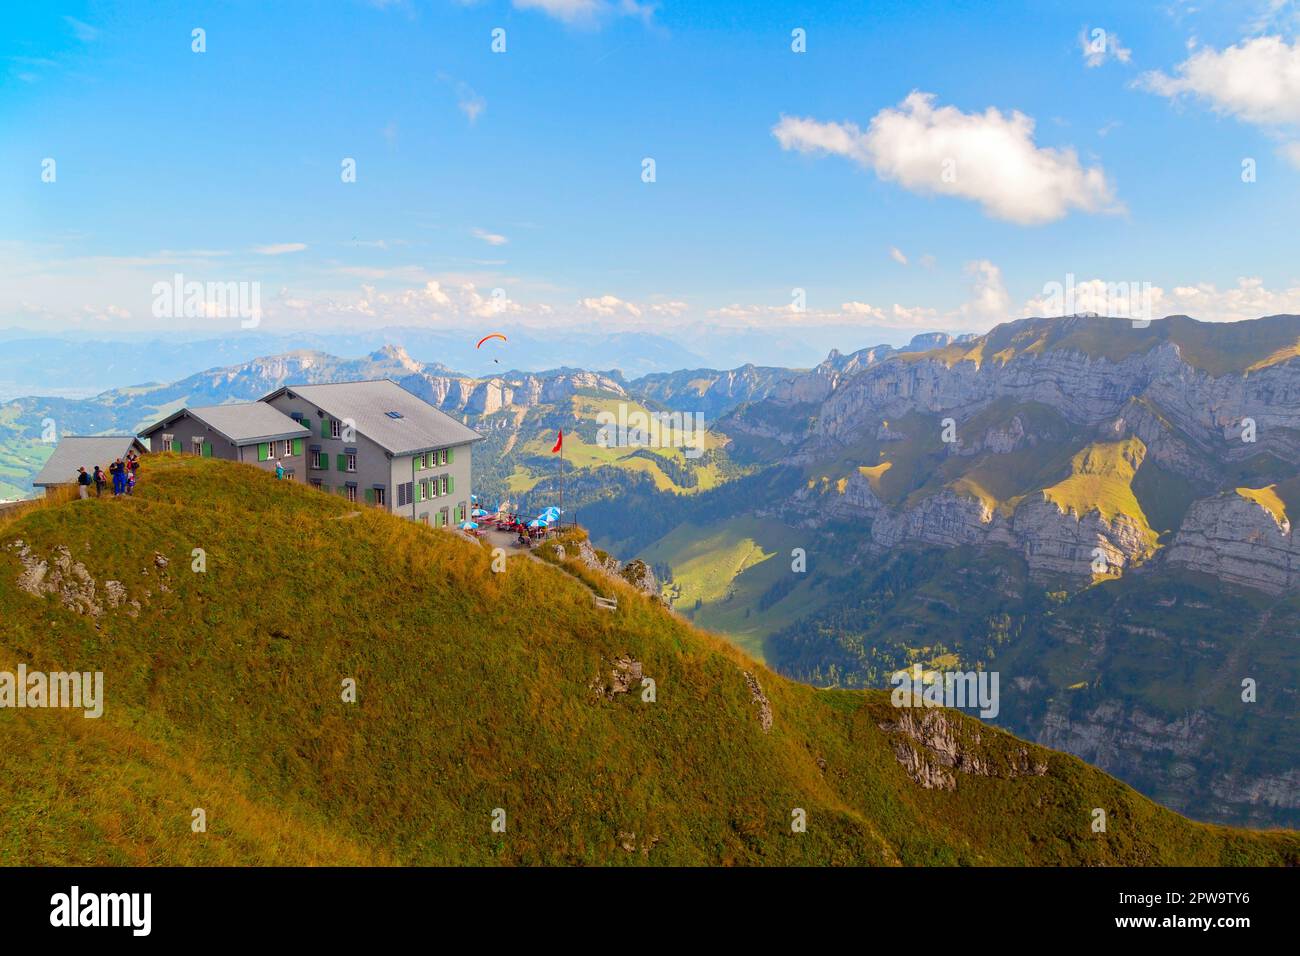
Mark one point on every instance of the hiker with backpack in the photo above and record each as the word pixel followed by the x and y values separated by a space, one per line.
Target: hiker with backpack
pixel 100 481
pixel 117 471
pixel 83 483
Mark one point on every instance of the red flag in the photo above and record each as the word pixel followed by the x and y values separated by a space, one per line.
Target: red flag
pixel 559 442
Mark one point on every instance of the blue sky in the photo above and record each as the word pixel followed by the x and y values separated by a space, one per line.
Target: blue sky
pixel 522 171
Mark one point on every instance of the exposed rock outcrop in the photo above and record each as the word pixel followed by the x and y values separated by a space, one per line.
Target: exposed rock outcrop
pixel 636 572
pixel 71 582
pixel 1238 540
pixel 1052 540
pixel 758 697
pixel 624 675
pixel 934 745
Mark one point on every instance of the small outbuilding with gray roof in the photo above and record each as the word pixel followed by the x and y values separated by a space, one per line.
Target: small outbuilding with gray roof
pixel 83 451
pixel 251 432
pixel 377 443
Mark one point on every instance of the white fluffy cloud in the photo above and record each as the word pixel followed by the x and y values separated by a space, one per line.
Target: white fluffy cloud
pixel 280 249
pixel 672 309
pixel 897 255
pixel 610 305
pixel 1257 80
pixel 990 158
pixel 1248 299
pixel 491 238
pixel 586 12
pixel 1100 45
pixel 567 10
pixel 990 301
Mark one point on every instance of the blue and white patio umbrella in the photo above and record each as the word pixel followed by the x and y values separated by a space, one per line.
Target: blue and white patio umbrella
pixel 537 523
pixel 468 525
pixel 550 514
pixel 474 498
pixel 478 513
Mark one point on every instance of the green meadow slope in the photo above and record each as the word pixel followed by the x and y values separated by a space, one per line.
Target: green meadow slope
pixel 476 691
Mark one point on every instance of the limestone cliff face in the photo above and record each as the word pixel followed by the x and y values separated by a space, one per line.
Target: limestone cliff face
pixel 1195 425
pixel 998 441
pixel 1087 391
pixel 1173 758
pixel 1051 540
pixel 1237 540
pixel 485 396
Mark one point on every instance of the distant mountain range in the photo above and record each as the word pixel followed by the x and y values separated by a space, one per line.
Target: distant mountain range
pixel 1099 511
pixel 84 364
pixel 1092 506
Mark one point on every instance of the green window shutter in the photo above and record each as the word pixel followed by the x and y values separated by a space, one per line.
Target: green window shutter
pixel 207 449
pixel 176 444
pixel 342 462
pixel 262 451
pixel 297 446
pixel 324 428
pixel 451 456
pixel 451 485
pixel 370 496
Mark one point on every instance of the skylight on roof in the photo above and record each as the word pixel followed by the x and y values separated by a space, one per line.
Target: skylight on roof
pixel 393 414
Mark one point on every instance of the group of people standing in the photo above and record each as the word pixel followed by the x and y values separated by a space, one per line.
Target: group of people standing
pixel 121 474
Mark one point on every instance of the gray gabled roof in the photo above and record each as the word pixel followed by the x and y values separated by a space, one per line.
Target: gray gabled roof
pixel 421 427
pixel 244 423
pixel 75 451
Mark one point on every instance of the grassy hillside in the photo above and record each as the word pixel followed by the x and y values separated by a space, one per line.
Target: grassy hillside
pixel 734 576
pixel 672 471
pixel 475 692
pixel 1101 480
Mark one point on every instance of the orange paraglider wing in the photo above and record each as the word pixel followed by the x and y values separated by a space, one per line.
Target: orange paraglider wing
pixel 494 335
